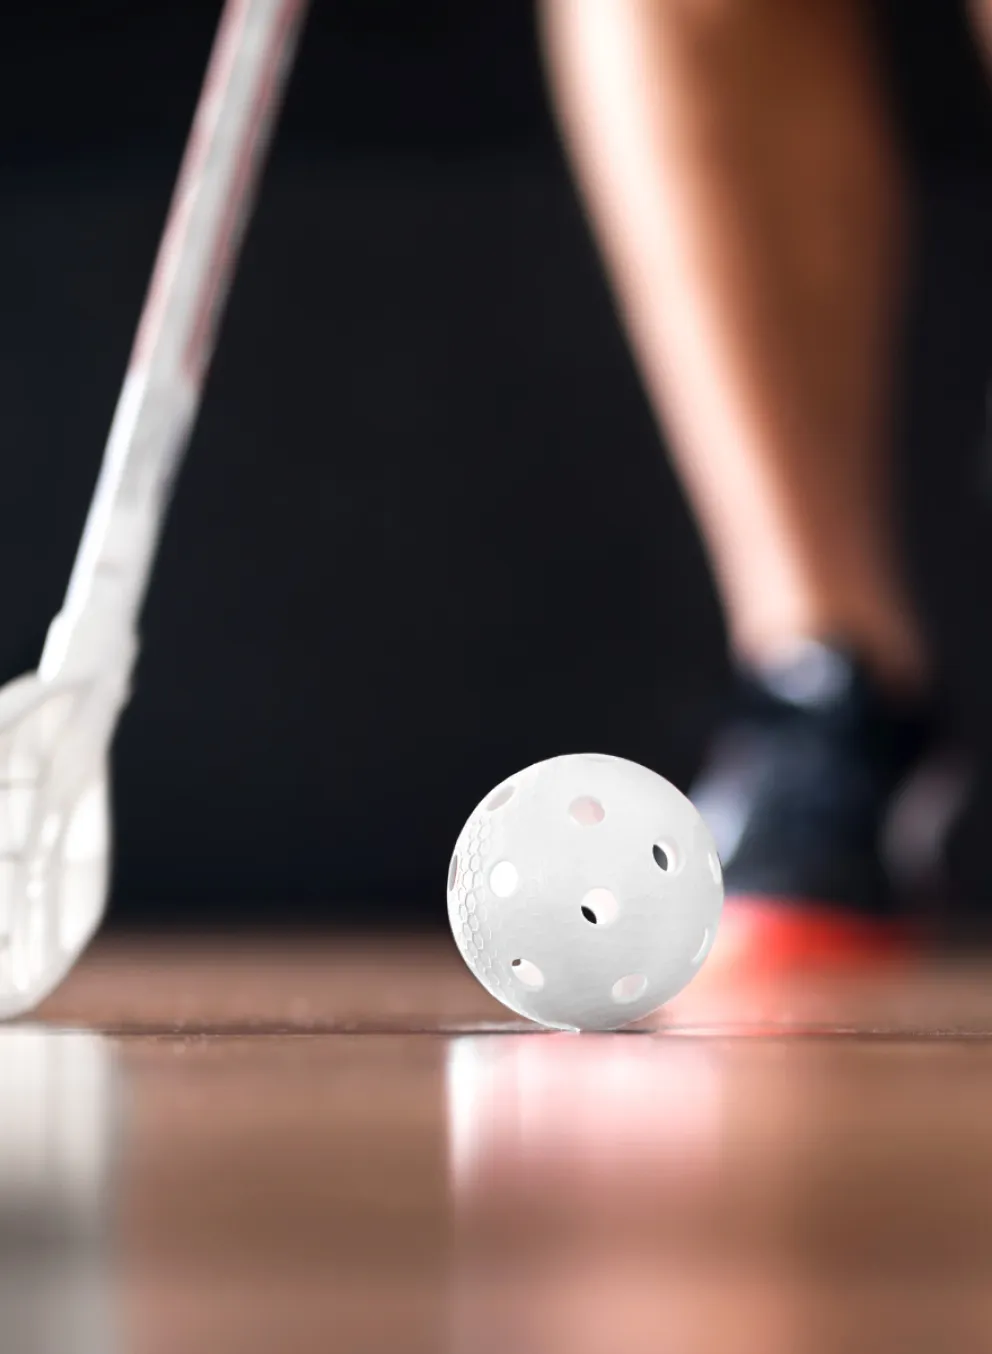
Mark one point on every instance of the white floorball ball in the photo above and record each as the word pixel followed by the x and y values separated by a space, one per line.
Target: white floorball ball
pixel 585 892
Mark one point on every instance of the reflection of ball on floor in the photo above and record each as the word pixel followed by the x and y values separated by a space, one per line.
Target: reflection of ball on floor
pixel 585 892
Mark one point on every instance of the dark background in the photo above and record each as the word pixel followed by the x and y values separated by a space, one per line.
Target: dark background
pixel 426 534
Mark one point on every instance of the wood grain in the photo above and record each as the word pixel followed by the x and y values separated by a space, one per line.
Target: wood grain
pixel 330 1143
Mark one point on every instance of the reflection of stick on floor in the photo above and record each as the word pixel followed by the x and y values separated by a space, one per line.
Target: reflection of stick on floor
pixel 57 1133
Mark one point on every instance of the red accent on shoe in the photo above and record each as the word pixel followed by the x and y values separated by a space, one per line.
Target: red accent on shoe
pixel 767 937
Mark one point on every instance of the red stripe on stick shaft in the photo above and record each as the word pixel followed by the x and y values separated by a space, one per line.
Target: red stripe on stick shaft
pixel 197 350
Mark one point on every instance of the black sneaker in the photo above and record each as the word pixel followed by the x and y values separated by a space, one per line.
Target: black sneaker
pixel 797 792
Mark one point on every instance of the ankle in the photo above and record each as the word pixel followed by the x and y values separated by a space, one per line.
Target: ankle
pixel 899 663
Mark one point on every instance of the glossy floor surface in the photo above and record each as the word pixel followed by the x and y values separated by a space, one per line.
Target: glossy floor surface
pixel 340 1145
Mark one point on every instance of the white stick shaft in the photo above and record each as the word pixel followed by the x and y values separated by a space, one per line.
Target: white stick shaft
pixel 174 344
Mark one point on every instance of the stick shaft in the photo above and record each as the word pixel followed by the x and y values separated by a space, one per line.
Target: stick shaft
pixel 160 398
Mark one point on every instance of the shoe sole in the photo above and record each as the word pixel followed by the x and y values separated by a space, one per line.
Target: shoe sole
pixel 765 937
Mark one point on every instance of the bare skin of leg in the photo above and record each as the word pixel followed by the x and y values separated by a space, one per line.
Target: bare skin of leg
pixel 739 171
pixel 981 13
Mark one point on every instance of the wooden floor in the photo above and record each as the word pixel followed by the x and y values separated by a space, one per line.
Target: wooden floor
pixel 240 1146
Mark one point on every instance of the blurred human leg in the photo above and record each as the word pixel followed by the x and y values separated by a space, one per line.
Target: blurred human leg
pixel 741 175
pixel 738 166
pixel 981 11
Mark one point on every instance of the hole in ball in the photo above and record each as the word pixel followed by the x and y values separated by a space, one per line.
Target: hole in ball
pixel 704 947
pixel 453 872
pixel 499 797
pixel 665 857
pixel 503 879
pixel 600 907
pixel 586 811
pixel 628 989
pixel 529 974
